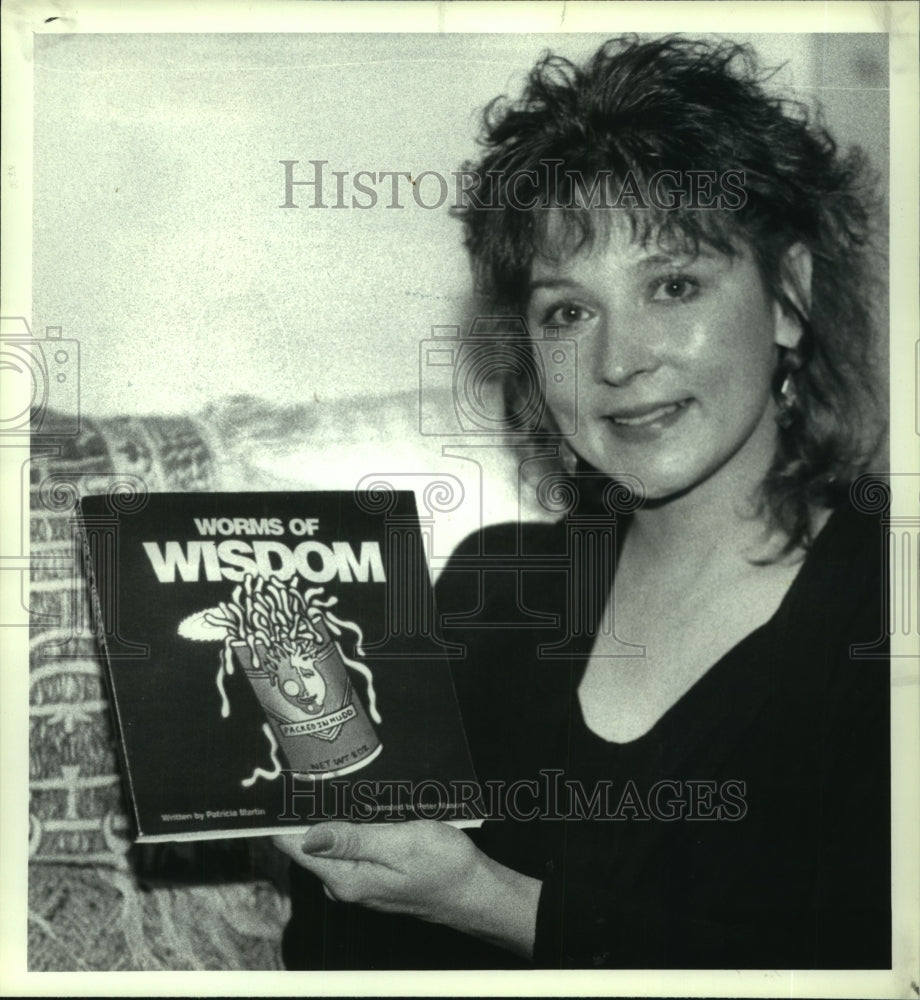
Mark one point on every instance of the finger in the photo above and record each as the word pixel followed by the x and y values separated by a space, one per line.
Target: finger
pixel 289 844
pixel 343 841
pixel 342 881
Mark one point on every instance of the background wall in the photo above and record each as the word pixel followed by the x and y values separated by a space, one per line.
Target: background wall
pixel 159 242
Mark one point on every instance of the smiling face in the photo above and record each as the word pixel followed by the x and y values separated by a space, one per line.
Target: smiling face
pixel 676 354
pixel 307 687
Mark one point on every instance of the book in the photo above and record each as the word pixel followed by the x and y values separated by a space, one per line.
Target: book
pixel 273 661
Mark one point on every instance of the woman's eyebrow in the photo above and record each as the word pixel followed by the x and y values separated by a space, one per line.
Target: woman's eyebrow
pixel 658 259
pixel 551 283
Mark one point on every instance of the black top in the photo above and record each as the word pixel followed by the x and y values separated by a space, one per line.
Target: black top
pixel 749 828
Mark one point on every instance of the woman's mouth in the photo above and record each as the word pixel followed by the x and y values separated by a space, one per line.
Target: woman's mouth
pixel 646 415
pixel 640 422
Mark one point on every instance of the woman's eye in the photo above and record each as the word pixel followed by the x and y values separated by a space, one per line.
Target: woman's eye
pixel 675 289
pixel 567 314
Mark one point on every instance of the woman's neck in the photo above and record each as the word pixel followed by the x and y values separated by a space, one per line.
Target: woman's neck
pixel 715 523
pixel 679 533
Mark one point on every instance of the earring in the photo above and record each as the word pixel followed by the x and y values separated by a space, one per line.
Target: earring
pixel 788 394
pixel 787 391
pixel 568 458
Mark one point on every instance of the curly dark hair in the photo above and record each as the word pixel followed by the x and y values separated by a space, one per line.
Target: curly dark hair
pixel 638 108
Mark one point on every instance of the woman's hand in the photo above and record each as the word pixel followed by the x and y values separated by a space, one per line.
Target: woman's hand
pixel 425 869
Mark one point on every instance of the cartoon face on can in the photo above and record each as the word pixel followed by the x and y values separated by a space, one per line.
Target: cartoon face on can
pixel 287 645
pixel 299 677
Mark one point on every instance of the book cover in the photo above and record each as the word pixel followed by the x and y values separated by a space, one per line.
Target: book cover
pixel 273 661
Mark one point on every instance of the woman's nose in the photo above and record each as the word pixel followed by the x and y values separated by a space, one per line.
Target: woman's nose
pixel 624 349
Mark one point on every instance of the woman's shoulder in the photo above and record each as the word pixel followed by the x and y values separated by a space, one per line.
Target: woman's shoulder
pixel 511 538
pixel 850 553
pixel 493 567
pixel 834 626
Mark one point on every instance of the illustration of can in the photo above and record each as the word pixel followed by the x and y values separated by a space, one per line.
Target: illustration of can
pixel 309 698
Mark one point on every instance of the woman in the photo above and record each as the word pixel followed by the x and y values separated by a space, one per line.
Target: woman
pixel 706 249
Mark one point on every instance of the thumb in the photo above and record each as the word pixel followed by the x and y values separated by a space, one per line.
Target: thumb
pixel 332 840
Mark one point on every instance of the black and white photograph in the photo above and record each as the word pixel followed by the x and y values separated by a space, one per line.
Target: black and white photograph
pixel 460 482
